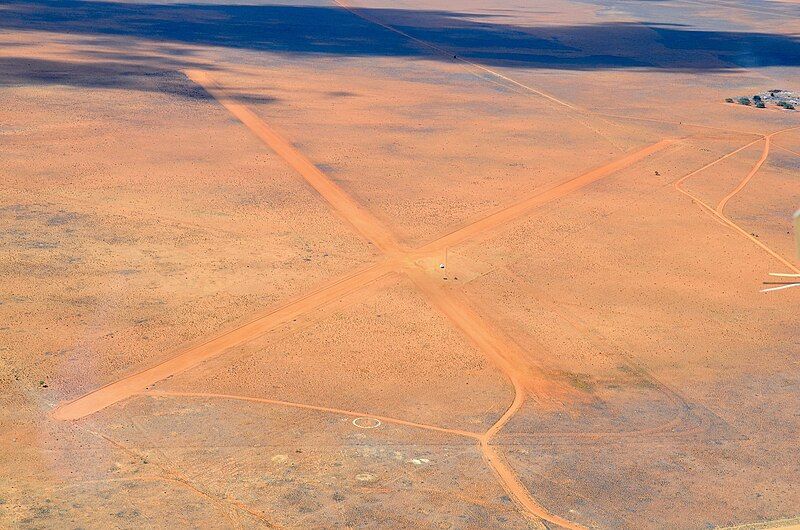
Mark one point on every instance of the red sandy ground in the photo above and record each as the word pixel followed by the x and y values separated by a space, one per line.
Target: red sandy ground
pixel 228 311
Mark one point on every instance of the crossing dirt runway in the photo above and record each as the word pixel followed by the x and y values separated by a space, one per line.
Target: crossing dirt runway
pixel 370 265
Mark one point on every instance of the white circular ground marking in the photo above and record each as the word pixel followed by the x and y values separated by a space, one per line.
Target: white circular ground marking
pixel 366 423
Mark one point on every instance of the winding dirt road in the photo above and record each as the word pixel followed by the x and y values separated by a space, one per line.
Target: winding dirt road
pixel 764 154
pixel 292 404
pixel 718 211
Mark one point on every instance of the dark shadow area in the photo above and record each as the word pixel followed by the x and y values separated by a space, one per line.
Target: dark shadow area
pixel 333 31
pixel 16 71
pixel 145 76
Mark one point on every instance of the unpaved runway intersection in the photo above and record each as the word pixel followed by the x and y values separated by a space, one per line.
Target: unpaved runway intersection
pixel 583 361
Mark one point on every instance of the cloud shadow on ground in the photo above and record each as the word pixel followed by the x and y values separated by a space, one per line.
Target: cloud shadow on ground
pixel 333 31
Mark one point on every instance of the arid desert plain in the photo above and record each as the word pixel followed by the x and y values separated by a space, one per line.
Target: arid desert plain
pixel 399 264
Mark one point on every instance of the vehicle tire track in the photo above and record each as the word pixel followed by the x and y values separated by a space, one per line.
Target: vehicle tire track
pixel 332 410
pixel 764 154
pixel 573 111
pixel 448 53
pixel 171 475
pixel 795 153
pixel 524 377
pixel 718 211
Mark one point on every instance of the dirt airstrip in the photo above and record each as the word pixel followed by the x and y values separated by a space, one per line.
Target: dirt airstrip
pixel 353 264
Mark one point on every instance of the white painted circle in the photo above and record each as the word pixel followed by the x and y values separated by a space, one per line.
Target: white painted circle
pixel 366 423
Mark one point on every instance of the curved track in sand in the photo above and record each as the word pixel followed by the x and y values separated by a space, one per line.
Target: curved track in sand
pixel 318 408
pixel 764 154
pixel 718 211
pixel 507 476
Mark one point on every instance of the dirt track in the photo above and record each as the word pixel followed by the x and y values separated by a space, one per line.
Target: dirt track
pixel 448 54
pixel 718 211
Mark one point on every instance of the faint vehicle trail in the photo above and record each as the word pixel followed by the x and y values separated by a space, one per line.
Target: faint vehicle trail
pixel 795 153
pixel 680 123
pixel 756 167
pixel 161 478
pixel 494 73
pixel 683 415
pixel 714 162
pixel 343 412
pixel 789 523
pixel 718 211
pixel 507 476
pixel 524 376
pixel 448 53
pixel 511 359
